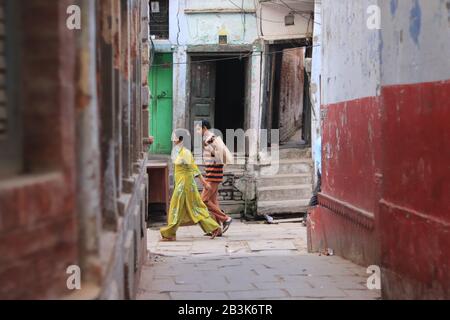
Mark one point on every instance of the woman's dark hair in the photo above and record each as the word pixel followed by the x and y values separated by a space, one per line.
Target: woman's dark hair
pixel 180 134
pixel 206 124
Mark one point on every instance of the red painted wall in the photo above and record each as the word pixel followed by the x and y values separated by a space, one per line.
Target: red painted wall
pixel 390 156
pixel 351 163
pixel 415 209
pixel 351 151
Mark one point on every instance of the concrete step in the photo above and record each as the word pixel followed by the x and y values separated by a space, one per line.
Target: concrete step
pixel 279 193
pixel 233 208
pixel 279 207
pixel 295 153
pixel 288 154
pixel 285 180
pixel 288 167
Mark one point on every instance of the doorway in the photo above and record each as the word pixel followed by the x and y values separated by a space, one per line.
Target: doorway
pixel 218 91
pixel 286 100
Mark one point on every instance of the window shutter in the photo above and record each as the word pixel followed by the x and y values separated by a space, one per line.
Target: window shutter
pixel 3 95
pixel 159 19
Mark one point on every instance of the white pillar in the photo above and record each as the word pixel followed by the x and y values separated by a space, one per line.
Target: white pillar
pixel 255 103
pixel 180 103
pixel 316 89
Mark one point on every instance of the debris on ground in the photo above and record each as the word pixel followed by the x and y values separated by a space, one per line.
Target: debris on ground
pixel 269 219
pixel 327 252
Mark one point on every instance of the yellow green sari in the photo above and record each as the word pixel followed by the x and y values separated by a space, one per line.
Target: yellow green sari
pixel 186 206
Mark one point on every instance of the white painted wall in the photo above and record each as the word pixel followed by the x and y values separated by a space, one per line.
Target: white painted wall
pixel 416 41
pixel 351 52
pixel 190 24
pixel 412 46
pixel 270 19
pixel 200 22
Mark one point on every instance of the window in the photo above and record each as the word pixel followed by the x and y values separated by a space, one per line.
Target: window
pixel 10 138
pixel 159 19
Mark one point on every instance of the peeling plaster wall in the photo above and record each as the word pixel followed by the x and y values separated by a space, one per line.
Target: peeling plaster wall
pixel 189 25
pixel 351 133
pixel 201 21
pixel 416 46
pixel 385 138
pixel 351 86
pixel 351 56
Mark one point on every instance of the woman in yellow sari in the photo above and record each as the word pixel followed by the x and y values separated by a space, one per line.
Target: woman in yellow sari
pixel 186 206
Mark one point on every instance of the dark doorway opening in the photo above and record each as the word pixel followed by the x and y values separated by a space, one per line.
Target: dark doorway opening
pixel 218 91
pixel 230 95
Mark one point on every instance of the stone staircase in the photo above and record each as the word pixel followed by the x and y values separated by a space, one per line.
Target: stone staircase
pixel 289 190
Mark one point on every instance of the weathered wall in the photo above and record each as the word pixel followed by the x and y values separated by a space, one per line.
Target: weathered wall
pixel 416 93
pixel 291 92
pixel 194 23
pixel 385 177
pixel 202 21
pixel 82 198
pixel 199 23
pixel 316 89
pixel 271 22
pixel 122 240
pixel 38 224
pixel 351 131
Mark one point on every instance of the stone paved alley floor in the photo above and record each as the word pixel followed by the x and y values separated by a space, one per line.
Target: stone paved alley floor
pixel 252 262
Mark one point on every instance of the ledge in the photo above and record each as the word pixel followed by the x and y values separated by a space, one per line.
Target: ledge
pixel 27 180
pixel 220 10
pixel 214 48
pixel 390 206
pixel 356 215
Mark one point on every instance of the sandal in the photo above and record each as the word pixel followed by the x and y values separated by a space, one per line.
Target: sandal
pixel 227 224
pixel 168 239
pixel 216 233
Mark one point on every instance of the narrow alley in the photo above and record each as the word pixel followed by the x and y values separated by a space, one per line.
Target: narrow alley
pixel 309 139
pixel 252 262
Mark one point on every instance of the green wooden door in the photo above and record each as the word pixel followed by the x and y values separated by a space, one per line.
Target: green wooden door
pixel 160 80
